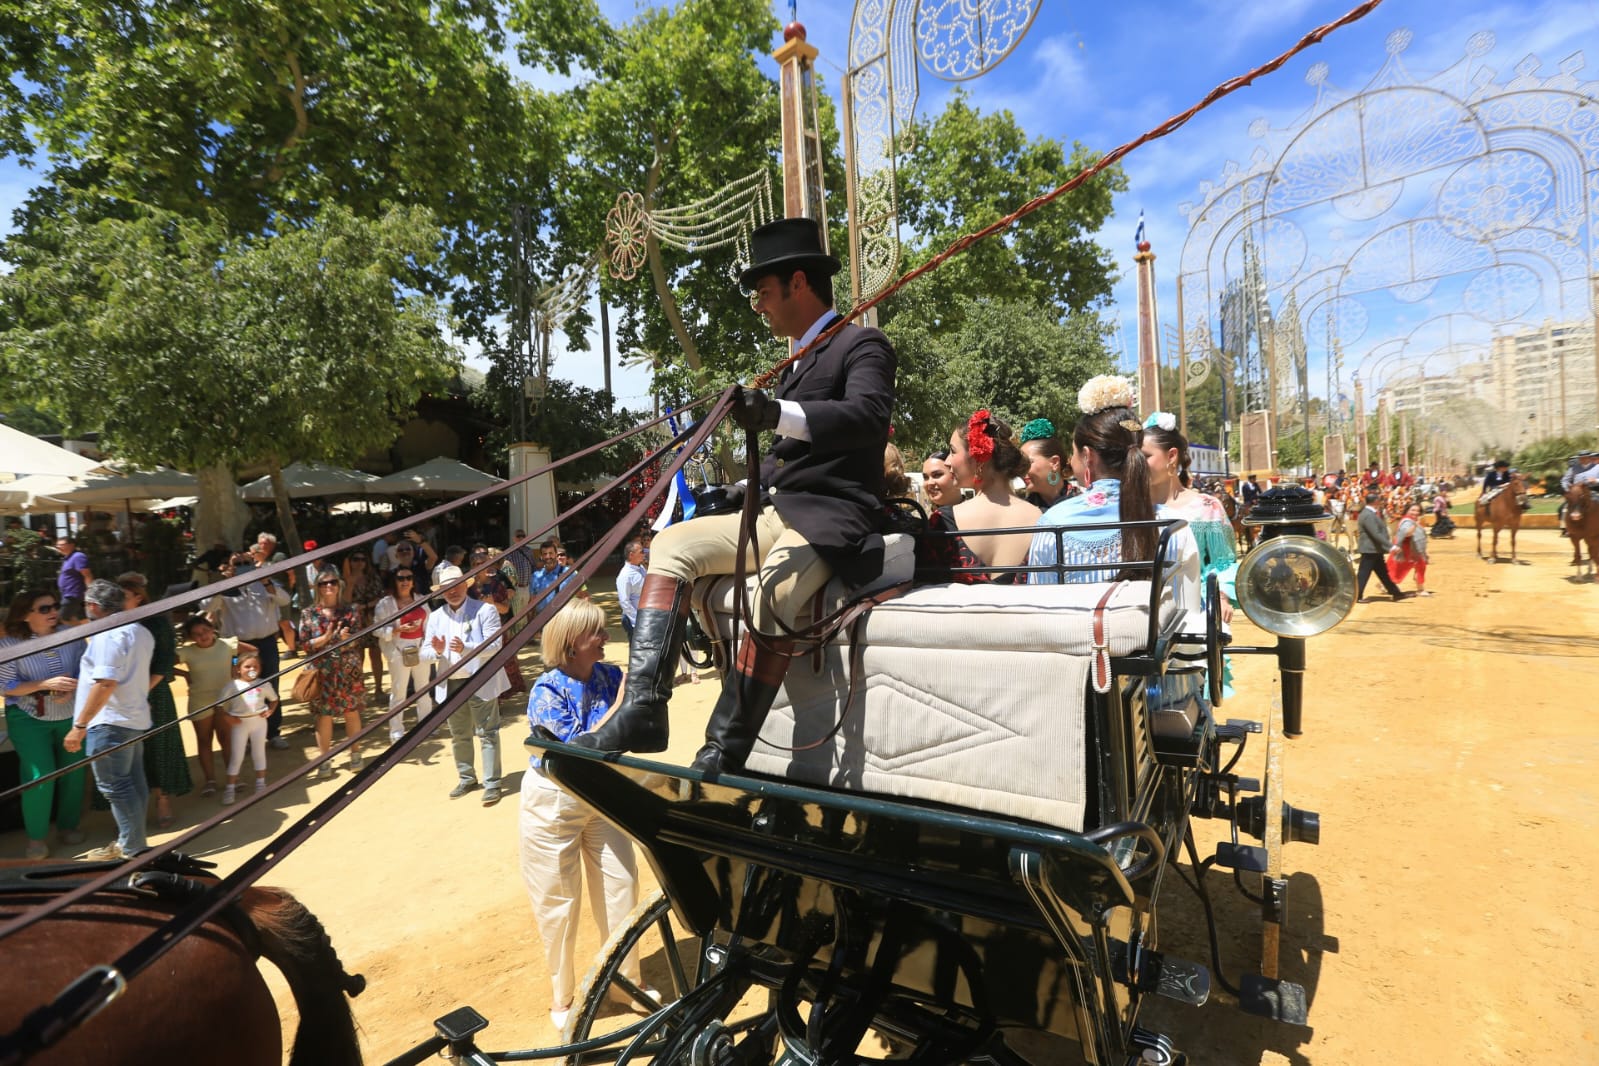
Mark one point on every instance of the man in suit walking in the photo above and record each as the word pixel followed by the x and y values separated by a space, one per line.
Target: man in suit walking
pixel 1374 545
pixel 823 478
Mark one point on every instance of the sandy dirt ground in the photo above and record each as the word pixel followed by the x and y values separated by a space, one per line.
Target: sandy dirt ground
pixel 1448 914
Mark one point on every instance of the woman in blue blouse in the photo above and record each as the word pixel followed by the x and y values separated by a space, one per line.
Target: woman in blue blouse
pixel 1107 458
pixel 562 837
pixel 39 693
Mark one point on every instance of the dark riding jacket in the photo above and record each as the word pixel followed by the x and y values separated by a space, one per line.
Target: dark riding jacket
pixel 829 488
pixel 1494 478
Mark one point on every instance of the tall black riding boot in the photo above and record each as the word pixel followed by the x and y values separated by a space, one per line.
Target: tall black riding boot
pixel 747 695
pixel 640 723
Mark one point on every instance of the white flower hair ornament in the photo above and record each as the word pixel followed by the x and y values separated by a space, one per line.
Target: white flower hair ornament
pixel 1162 420
pixel 1106 390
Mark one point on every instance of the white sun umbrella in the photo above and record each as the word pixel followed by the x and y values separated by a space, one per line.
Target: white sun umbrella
pixel 436 477
pixel 22 454
pixel 304 480
pixel 35 493
pixel 130 485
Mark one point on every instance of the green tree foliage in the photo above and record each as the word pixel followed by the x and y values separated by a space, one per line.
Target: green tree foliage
pixel 569 419
pixel 1545 460
pixel 191 348
pixel 259 113
pixel 679 107
pixel 1004 355
pixel 1005 324
pixel 967 170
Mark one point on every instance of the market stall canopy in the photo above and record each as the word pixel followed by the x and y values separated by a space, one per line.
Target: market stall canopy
pixel 436 477
pixel 22 454
pixel 130 485
pixel 305 480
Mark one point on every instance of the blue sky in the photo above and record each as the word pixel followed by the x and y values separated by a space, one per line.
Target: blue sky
pixel 1104 73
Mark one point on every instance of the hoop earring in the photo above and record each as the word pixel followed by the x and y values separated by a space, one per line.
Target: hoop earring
pixel 1053 478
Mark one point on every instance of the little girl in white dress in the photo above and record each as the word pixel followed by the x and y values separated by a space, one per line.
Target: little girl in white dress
pixel 249 703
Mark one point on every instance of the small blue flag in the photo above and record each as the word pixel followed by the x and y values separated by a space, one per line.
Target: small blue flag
pixel 1138 238
pixel 679 492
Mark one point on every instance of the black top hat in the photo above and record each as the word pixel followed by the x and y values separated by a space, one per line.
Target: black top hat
pixel 786 244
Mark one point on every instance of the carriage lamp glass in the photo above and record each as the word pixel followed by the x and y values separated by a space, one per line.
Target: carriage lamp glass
pixel 1296 586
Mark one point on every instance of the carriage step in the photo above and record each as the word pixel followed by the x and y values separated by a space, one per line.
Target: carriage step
pixel 1244 857
pixel 1236 729
pixel 460 1024
pixel 1268 997
pixel 1162 975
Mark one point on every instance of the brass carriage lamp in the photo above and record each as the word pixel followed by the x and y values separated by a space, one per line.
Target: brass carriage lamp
pixel 1293 585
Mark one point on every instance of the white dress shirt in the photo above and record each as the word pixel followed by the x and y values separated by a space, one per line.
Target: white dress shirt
pixel 252 613
pixel 478 625
pixel 121 655
pixel 791 416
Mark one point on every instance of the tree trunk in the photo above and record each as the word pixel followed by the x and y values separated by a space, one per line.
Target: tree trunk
pixel 220 515
pixel 280 496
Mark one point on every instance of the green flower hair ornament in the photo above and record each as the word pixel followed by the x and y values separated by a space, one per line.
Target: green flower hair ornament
pixel 1162 420
pixel 1038 429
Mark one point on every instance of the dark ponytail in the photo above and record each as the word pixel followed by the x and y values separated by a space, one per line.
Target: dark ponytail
pixel 1167 439
pixel 1115 435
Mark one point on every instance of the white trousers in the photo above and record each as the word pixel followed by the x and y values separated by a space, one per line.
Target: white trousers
pixel 251 731
pixel 402 679
pixel 562 840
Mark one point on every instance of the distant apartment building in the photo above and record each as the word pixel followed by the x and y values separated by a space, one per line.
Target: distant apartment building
pixel 1545 375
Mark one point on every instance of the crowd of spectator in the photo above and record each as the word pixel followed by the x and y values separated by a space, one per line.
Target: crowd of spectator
pixel 398 611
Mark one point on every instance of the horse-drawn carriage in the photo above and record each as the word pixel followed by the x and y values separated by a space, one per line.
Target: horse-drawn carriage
pixel 952 841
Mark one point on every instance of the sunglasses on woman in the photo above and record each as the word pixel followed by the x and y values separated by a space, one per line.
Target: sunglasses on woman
pixel 47 608
pixel 404 577
pixel 327 584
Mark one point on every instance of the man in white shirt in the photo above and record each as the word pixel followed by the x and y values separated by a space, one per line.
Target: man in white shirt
pixel 466 628
pixel 113 707
pixel 630 582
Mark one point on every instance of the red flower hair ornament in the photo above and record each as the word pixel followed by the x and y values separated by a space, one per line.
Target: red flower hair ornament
pixel 980 437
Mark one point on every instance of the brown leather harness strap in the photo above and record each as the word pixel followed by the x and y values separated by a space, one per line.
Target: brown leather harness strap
pixel 851 618
pixel 1101 667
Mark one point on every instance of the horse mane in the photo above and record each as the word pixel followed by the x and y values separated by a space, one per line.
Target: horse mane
pixel 292 939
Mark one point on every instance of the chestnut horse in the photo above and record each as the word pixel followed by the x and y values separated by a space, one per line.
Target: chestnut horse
pixel 1504 510
pixel 203 1002
pixel 1582 526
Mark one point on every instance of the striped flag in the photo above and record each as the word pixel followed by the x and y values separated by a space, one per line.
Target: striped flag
pixel 678 492
pixel 1138 238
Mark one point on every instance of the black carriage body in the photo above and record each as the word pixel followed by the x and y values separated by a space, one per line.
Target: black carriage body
pixel 980 921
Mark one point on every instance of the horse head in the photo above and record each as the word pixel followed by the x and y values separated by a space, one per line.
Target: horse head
pixel 1518 487
pixel 1578 499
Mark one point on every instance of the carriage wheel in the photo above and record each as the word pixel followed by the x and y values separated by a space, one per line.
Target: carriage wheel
pixel 686 1025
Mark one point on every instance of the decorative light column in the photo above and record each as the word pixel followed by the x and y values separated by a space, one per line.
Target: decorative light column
pixel 1148 333
pixel 803 192
pixel 1361 461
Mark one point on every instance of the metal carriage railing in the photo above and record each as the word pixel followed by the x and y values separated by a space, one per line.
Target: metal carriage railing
pixel 85 998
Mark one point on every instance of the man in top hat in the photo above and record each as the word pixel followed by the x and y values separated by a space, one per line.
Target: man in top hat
pixel 822 478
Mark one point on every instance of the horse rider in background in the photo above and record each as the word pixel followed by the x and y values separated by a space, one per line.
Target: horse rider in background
pixel 1495 480
pixel 1581 469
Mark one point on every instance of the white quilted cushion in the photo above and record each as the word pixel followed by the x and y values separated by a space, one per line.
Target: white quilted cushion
pixel 968 695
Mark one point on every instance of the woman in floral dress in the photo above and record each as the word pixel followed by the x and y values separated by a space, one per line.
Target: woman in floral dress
pixel 328 624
